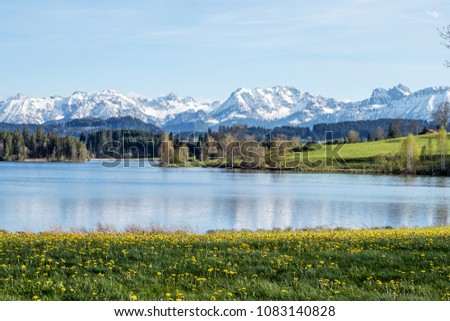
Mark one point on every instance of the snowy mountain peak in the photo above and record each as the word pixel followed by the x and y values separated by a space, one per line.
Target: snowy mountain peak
pixel 83 93
pixel 269 107
pixel 406 91
pixel 381 96
pixel 398 92
pixel 170 96
pixel 18 96
pixel 109 92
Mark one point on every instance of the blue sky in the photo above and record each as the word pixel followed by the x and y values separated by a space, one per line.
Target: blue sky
pixel 207 49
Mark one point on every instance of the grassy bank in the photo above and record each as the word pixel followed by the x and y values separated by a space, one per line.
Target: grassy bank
pixel 404 264
pixel 380 155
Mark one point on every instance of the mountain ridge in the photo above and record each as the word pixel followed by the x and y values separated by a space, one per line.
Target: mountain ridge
pixel 269 107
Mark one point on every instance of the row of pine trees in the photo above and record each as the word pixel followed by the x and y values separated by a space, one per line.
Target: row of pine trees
pixel 22 145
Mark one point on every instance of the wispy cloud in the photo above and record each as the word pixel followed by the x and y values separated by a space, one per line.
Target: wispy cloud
pixel 433 14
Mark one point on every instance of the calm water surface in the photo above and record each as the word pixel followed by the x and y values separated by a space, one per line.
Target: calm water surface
pixel 41 196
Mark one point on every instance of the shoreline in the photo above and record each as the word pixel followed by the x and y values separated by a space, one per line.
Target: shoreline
pixel 358 171
pixel 157 230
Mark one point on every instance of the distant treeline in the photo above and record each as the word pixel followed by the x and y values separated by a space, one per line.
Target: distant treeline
pixel 367 129
pixel 26 144
pixel 86 125
pixel 126 143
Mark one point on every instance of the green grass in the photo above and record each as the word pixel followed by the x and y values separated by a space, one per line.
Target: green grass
pixel 404 264
pixel 371 149
pixel 369 156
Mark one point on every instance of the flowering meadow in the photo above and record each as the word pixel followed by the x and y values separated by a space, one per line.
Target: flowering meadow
pixel 373 264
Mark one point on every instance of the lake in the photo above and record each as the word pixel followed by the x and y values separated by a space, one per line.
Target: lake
pixel 42 196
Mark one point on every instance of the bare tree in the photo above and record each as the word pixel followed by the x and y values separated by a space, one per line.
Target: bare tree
pixel 296 141
pixel 414 127
pixel 442 115
pixel 230 149
pixel 430 154
pixel 252 153
pixel 409 154
pixel 442 147
pixel 395 128
pixel 444 33
pixel 353 136
pixel 379 133
pixel 181 154
pixel 166 151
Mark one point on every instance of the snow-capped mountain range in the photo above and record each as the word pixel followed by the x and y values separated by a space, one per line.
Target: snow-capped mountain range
pixel 269 107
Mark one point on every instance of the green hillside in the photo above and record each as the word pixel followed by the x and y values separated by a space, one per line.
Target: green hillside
pixel 371 156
